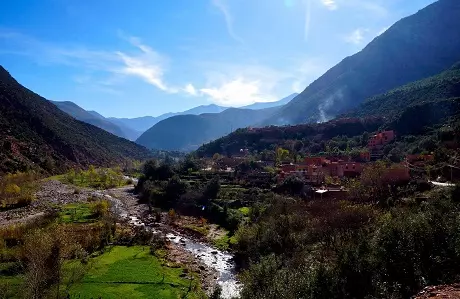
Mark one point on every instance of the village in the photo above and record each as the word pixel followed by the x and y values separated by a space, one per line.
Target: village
pixel 327 175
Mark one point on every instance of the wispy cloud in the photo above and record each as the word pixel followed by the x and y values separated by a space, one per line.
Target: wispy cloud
pixel 330 4
pixel 356 37
pixel 142 61
pixel 237 92
pixel 307 19
pixel 190 89
pixel 223 7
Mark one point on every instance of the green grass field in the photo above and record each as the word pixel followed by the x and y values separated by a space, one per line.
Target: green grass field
pixel 132 272
pixel 10 282
pixel 77 213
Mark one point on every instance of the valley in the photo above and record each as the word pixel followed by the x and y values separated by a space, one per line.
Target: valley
pixel 346 188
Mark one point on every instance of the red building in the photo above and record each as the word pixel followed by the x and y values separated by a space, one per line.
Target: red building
pixel 379 140
pixel 351 169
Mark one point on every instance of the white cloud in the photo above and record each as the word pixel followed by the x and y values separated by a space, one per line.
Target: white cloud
pixel 356 37
pixel 222 6
pixel 330 4
pixel 190 89
pixel 237 92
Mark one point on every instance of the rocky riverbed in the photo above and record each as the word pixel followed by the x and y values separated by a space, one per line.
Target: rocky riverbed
pixel 213 266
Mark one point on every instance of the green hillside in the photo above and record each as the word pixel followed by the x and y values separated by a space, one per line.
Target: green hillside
pixel 442 86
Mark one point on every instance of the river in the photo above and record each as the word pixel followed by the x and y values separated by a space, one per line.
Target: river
pixel 222 262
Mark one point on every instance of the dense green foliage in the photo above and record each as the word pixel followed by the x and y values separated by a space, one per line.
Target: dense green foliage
pixel 440 87
pixel 36 134
pixel 188 132
pixel 346 250
pixel 100 178
pixel 217 197
pixel 308 138
pixel 415 47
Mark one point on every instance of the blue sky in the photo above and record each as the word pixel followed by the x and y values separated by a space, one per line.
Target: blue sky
pixel 147 57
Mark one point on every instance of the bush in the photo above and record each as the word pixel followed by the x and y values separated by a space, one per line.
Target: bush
pixel 100 208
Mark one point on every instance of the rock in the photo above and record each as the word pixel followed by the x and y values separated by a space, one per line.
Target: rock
pixel 202 267
pixel 214 252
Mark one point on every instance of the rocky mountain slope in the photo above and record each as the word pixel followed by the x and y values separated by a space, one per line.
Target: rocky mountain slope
pixel 415 47
pixel 35 134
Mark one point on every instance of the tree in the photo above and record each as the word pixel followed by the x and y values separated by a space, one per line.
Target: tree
pixel 293 185
pixel 212 189
pixel 149 168
pixel 281 155
pixel 175 188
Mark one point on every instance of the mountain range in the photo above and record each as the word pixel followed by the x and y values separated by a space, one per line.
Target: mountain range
pixel 132 128
pixel 415 47
pixel 144 123
pixel 188 132
pixel 411 109
pixel 35 134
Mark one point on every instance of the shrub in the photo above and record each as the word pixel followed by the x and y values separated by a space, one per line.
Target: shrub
pixel 100 208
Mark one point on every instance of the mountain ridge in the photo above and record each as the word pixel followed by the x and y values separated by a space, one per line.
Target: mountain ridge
pixel 36 134
pixel 188 132
pixel 413 48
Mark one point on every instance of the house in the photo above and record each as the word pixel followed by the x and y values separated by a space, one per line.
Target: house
pixel 365 156
pixel 352 169
pixel 335 169
pixel 315 161
pixel 377 141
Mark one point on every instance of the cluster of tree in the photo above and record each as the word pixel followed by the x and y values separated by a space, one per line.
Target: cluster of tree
pixel 297 249
pixel 307 138
pixel 103 178
pixel 16 190
pixel 181 188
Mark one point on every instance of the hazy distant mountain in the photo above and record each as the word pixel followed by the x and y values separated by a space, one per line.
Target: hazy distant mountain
pixel 36 134
pixel 188 132
pixel 144 123
pixel 141 124
pixel 93 118
pixel 415 47
pixel 265 105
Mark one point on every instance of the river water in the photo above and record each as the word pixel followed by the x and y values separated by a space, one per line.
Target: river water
pixel 221 261
pixel 216 259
